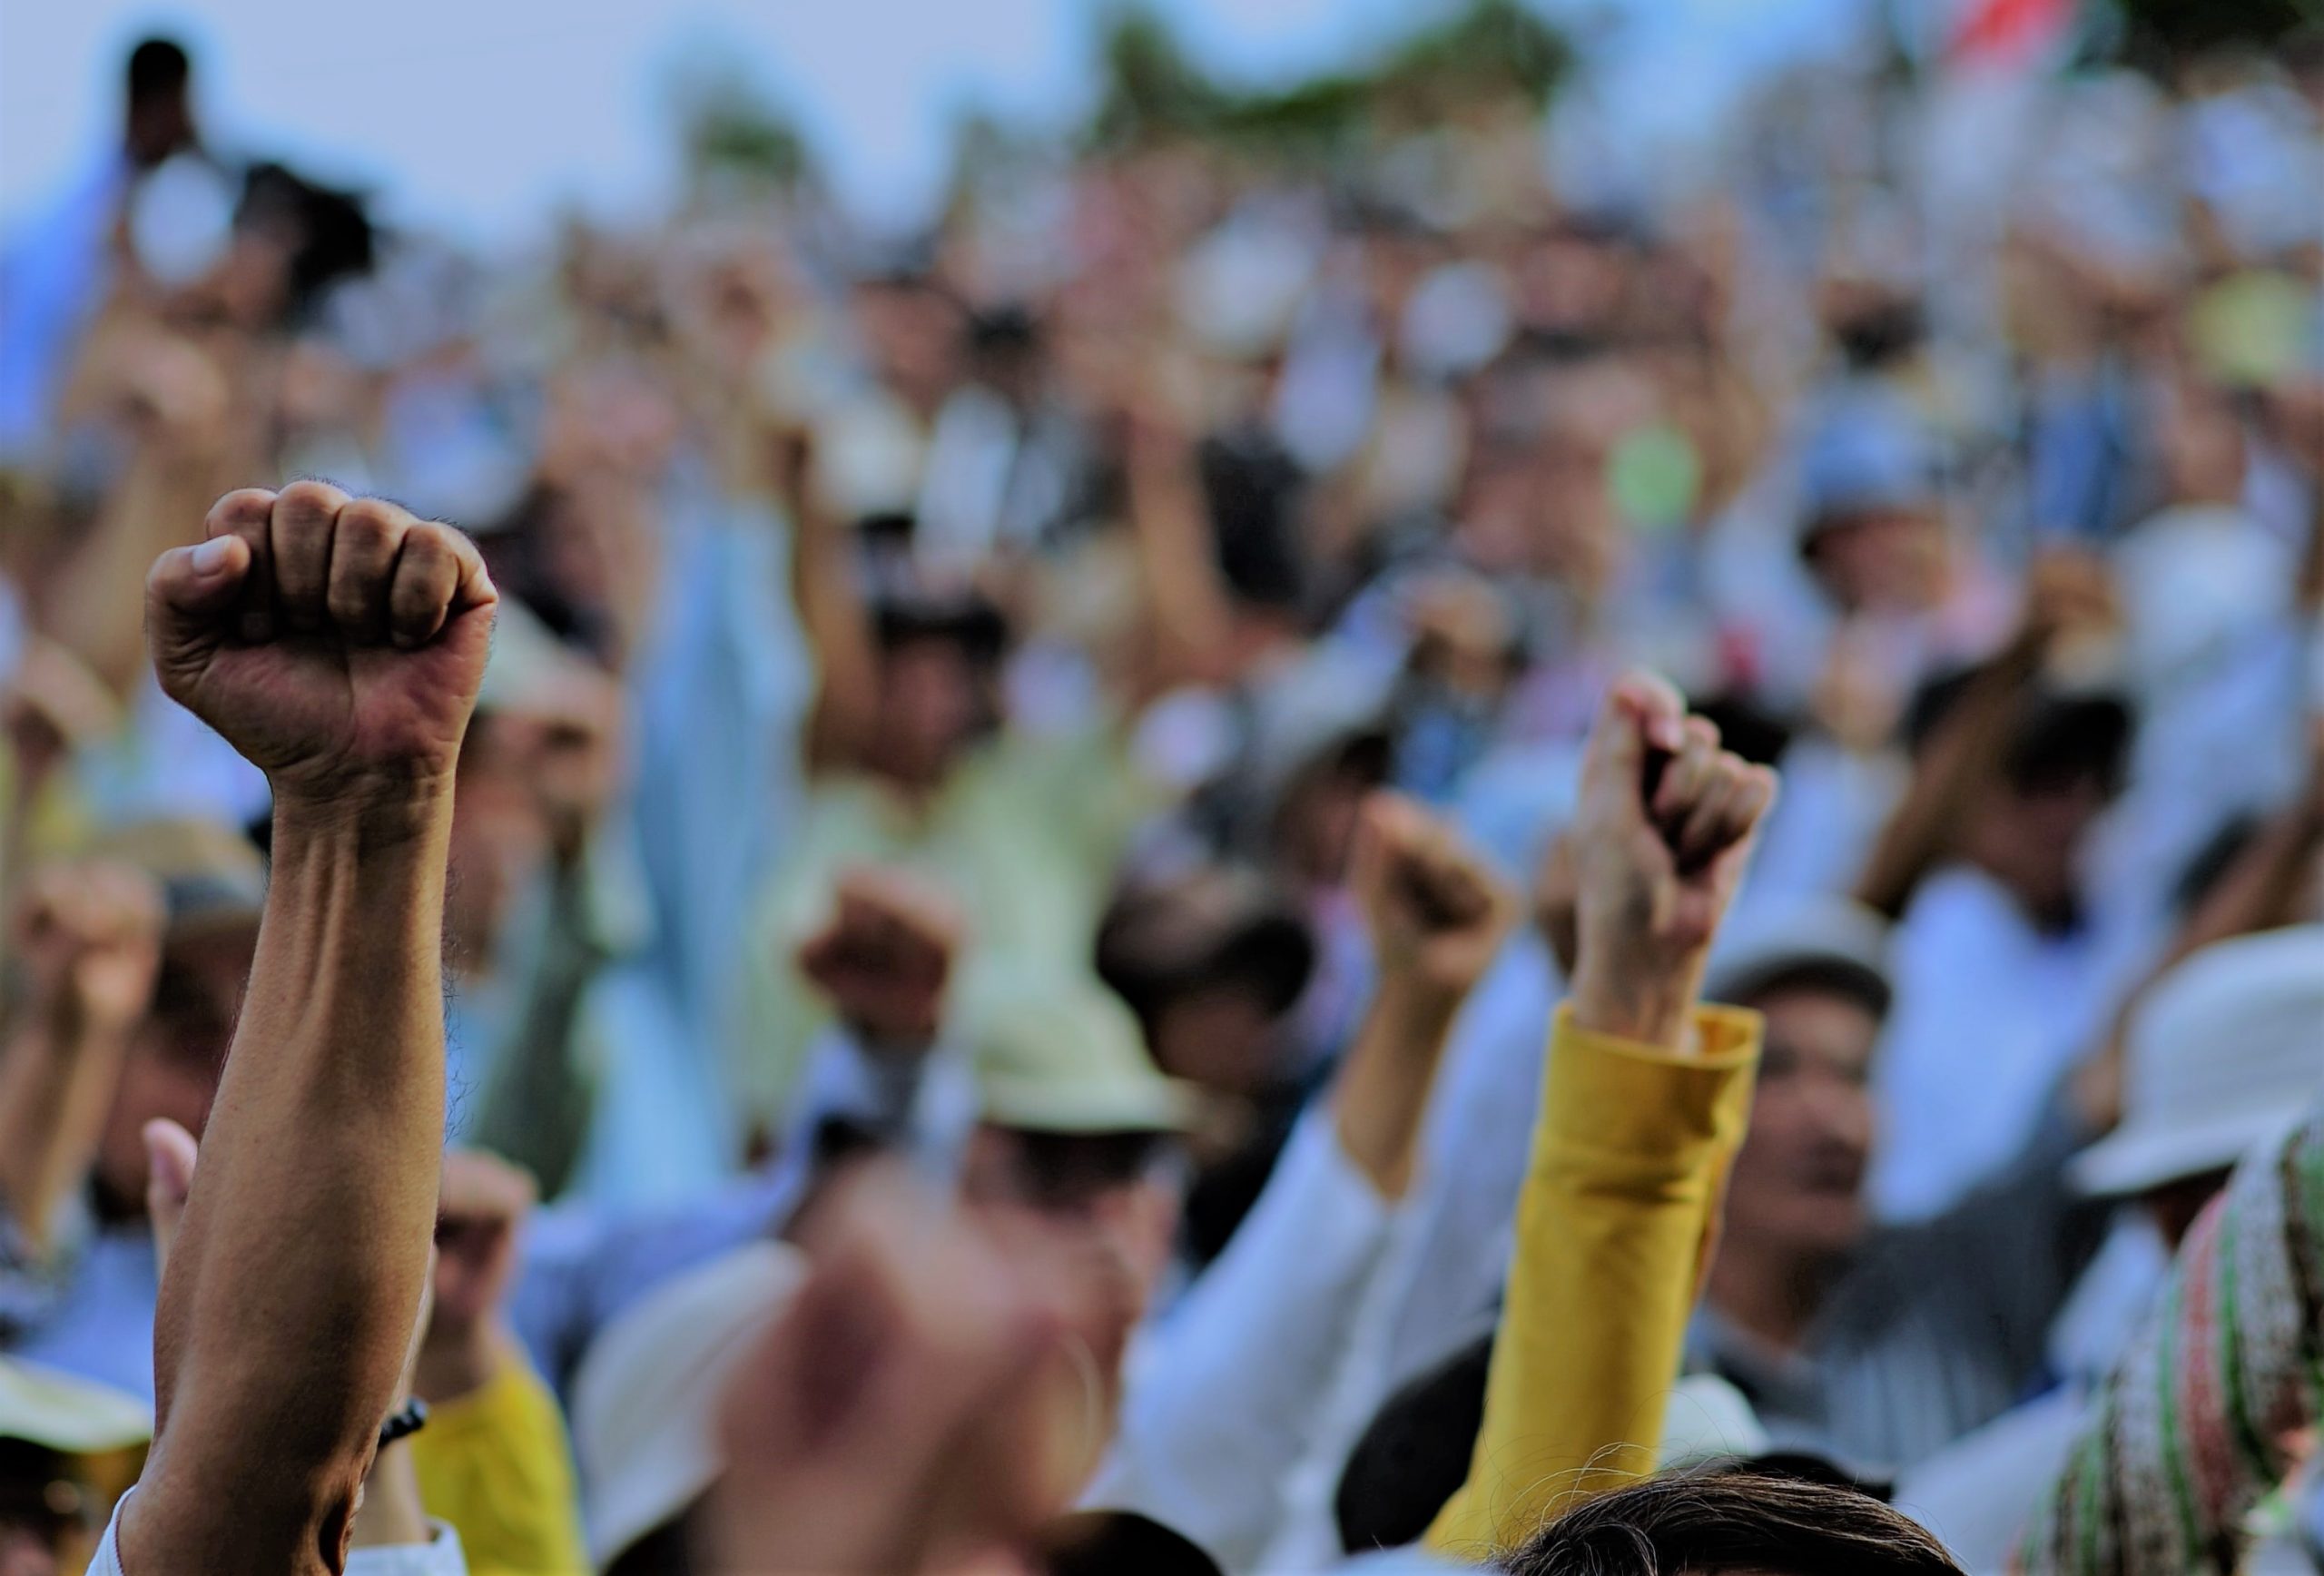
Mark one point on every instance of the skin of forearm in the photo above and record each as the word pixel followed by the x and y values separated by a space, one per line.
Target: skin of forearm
pixel 57 1082
pixel 287 1311
pixel 1969 744
pixel 1649 1002
pixel 1383 1091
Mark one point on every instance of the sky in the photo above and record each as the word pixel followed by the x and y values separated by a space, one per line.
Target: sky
pixel 483 116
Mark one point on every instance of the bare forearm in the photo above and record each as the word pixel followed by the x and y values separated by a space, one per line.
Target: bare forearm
pixel 1382 1091
pixel 56 1079
pixel 316 1203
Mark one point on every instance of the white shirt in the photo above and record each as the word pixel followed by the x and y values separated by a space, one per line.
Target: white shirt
pixel 1223 1393
pixel 441 1555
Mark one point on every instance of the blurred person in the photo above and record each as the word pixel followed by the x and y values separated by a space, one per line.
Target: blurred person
pixel 68 1447
pixel 133 975
pixel 1212 963
pixel 2220 1049
pixel 54 272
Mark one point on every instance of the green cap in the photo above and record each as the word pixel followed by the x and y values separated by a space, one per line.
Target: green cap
pixel 1055 1052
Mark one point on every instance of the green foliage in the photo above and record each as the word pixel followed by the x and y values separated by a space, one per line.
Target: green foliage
pixel 1491 50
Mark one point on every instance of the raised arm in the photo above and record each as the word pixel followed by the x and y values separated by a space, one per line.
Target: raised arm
pixel 86 941
pixel 1643 1106
pixel 338 643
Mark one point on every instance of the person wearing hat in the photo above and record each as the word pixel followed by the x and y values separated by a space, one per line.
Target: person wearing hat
pixel 2223 1053
pixel 2211 1407
pixel 67 1448
pixel 1874 1344
pixel 131 975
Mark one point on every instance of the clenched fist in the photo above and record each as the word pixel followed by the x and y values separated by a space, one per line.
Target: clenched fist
pixel 1662 836
pixel 89 939
pixel 336 641
pixel 1436 914
pixel 886 956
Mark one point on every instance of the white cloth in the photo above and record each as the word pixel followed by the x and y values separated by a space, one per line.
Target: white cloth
pixel 441 1555
pixel 1223 1395
pixel 1990 1012
pixel 1978 1494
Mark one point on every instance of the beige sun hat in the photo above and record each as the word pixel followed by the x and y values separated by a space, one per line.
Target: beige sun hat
pixel 2226 1053
pixel 1057 1052
pixel 66 1414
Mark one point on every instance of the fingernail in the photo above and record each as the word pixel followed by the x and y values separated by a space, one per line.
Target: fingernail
pixel 211 557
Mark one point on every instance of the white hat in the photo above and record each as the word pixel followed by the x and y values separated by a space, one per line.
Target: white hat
pixel 1821 938
pixel 645 1400
pixel 66 1414
pixel 2225 1053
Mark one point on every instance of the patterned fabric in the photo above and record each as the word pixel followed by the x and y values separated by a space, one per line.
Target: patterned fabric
pixel 2190 1433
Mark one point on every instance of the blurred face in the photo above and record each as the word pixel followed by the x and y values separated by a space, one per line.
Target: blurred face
pixel 1892 561
pixel 1222 1038
pixel 173 1066
pixel 1798 1185
pixel 497 837
pixel 1100 1198
pixel 932 701
pixel 2031 840
pixel 913 337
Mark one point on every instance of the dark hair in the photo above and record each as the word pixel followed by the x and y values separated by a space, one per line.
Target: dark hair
pixel 329 231
pixel 1732 1520
pixel 1414 1454
pixel 1120 1543
pixel 157 66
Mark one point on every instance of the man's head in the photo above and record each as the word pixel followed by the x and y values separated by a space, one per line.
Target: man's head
pixel 1817 975
pixel 2221 1054
pixel 1732 1523
pixel 159 102
pixel 2029 823
pixel 1077 1131
pixel 1873 532
pixel 213 884
pixel 66 1447
pixel 1210 963
pixel 940 660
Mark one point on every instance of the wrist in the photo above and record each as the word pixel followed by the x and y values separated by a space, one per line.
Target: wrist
pixel 1412 1000
pixel 364 817
pixel 1652 1007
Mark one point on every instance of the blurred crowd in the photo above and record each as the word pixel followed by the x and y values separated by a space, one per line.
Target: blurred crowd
pixel 1097 711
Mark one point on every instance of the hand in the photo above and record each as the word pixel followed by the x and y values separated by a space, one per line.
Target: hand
pixel 89 936
pixel 1436 915
pixel 336 641
pixel 880 1426
pixel 170 1155
pixel 886 956
pixel 479 1210
pixel 1655 874
pixel 566 741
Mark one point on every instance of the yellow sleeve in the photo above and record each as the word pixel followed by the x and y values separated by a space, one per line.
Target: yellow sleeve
pixel 495 1463
pixel 1630 1156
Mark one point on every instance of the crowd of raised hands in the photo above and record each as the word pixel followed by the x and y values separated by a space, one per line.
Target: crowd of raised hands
pixel 915 1404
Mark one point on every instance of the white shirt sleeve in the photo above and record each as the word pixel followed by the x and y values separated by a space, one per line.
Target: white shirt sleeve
pixel 1221 1402
pixel 441 1555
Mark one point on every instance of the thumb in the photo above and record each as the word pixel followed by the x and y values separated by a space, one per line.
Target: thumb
pixel 170 1153
pixel 186 594
pixel 1642 713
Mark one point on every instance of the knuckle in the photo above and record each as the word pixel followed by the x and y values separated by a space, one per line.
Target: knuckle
pixel 308 497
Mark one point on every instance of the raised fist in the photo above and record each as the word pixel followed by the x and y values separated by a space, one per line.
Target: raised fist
pixel 1436 914
pixel 336 641
pixel 479 1210
pixel 885 957
pixel 88 936
pixel 1662 837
